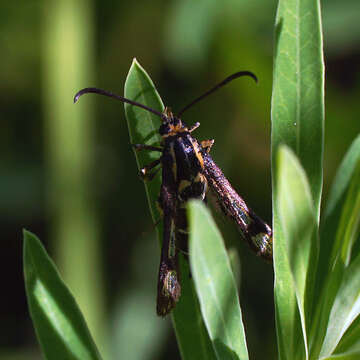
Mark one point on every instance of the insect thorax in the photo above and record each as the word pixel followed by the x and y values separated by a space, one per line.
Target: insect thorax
pixel 183 153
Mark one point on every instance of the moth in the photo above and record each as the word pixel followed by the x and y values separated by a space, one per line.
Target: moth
pixel 187 172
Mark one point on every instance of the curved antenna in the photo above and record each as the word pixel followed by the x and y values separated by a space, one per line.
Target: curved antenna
pixel 216 87
pixel 117 97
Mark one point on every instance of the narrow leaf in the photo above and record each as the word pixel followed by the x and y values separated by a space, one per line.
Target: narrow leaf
pixel 59 324
pixel 333 217
pixel 338 235
pixel 345 310
pixel 298 87
pixel 350 341
pixel 342 178
pixel 287 316
pixel 297 220
pixel 348 230
pixel 298 121
pixel 215 285
pixel 346 356
pixel 144 129
pixel 144 126
pixel 188 322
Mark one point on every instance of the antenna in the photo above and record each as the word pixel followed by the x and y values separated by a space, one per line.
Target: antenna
pixel 117 97
pixel 218 86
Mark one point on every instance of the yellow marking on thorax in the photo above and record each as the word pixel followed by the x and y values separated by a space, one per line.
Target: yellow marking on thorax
pixel 201 178
pixel 174 130
pixel 197 153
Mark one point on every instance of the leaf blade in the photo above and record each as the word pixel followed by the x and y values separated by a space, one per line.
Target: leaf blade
pixel 215 285
pixel 298 223
pixel 350 342
pixel 297 113
pixel 339 234
pixel 345 310
pixel 143 126
pixel 59 324
pixel 298 90
pixel 139 87
pixel 334 207
pixel 348 230
pixel 345 356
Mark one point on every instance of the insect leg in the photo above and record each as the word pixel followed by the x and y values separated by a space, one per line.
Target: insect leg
pixel 139 147
pixel 207 144
pixel 194 127
pixel 144 172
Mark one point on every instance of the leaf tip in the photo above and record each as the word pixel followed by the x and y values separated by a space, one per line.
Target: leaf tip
pixel 27 234
pixel 135 64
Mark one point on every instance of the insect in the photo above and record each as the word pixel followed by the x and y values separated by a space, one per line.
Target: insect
pixel 188 171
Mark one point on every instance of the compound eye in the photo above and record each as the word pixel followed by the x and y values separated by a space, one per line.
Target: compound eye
pixel 164 129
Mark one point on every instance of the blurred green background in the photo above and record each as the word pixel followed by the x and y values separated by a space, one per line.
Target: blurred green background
pixel 68 173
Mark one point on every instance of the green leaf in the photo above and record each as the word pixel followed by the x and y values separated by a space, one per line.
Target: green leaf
pixel 334 212
pixel 338 235
pixel 287 316
pixel 59 324
pixel 348 230
pixel 298 223
pixel 215 285
pixel 188 322
pixel 143 129
pixel 350 341
pixel 346 356
pixel 297 121
pixel 342 179
pixel 298 87
pixel 144 126
pixel 345 310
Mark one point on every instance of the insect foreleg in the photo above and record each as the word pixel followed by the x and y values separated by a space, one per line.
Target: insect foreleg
pixel 194 127
pixel 139 147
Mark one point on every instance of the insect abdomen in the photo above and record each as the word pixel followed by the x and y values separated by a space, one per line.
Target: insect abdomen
pixel 255 231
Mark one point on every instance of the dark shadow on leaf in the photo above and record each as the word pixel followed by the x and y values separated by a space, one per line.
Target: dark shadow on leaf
pixel 224 352
pixel 278 29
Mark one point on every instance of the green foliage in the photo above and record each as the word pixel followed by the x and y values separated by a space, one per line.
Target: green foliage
pixel 316 291
pixel 297 121
pixel 298 228
pixel 298 87
pixel 143 126
pixel 59 324
pixel 215 285
pixel 316 258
